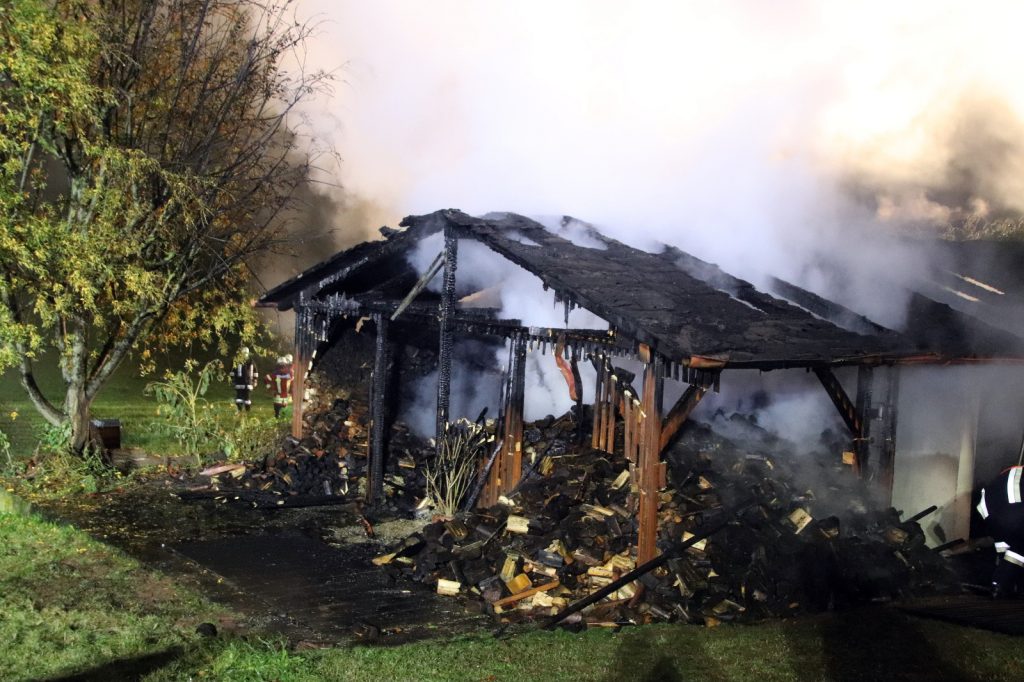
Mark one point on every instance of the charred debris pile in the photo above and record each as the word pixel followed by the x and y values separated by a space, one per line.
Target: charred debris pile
pixel 568 530
pixel 327 466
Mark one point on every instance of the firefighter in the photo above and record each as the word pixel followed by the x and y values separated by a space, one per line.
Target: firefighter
pixel 1002 508
pixel 244 376
pixel 280 384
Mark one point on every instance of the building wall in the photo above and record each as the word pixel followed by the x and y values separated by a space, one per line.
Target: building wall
pixel 958 427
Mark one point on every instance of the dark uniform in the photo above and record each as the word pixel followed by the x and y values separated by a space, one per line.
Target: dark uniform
pixel 243 376
pixel 1002 507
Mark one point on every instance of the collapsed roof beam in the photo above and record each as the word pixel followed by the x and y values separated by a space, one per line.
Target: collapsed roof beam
pixel 420 285
pixel 679 413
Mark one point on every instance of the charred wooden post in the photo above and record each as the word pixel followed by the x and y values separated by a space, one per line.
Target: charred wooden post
pixel 629 425
pixel 303 350
pixel 610 406
pixel 492 470
pixel 887 452
pixel 507 469
pixel 604 406
pixel 514 423
pixel 577 379
pixel 378 414
pixel 445 341
pixel 597 429
pixel 847 409
pixel 862 442
pixel 649 466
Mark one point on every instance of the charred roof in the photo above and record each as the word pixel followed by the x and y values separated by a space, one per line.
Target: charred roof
pixel 689 311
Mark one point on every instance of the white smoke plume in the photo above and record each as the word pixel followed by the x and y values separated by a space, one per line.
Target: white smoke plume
pixel 756 135
pixel 785 138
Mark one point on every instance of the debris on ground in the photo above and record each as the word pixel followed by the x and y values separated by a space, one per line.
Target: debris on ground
pixel 569 529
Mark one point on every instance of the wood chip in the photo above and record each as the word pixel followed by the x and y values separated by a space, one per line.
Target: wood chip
pixel 518 524
pixel 449 588
pixel 519 584
pixel 523 595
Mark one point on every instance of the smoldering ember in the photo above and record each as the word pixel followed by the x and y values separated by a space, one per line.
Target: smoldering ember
pixel 621 509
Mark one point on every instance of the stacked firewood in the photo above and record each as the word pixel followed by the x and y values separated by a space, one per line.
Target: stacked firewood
pixel 326 466
pixel 569 530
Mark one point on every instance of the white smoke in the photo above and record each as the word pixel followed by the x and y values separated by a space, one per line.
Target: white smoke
pixel 731 129
pixel 782 138
pixel 518 295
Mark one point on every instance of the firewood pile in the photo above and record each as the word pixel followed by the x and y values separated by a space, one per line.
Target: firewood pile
pixel 327 466
pixel 569 529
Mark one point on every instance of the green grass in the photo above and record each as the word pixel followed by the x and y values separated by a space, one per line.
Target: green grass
pixel 122 398
pixel 68 603
pixel 877 644
pixel 72 605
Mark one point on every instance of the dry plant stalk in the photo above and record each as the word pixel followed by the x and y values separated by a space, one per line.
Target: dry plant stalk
pixel 451 473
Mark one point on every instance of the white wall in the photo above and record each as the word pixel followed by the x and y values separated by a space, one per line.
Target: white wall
pixel 958 427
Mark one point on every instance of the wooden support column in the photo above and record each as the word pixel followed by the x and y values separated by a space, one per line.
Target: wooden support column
pixel 489 494
pixel 595 437
pixel 300 361
pixel 628 428
pixel 611 404
pixel 887 452
pixel 600 407
pixel 445 341
pixel 515 429
pixel 862 443
pixel 378 414
pixel 512 451
pixel 508 466
pixel 574 367
pixel 649 466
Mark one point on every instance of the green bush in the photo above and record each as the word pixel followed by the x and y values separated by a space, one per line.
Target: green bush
pixel 188 415
pixel 53 439
pixel 57 469
pixel 252 437
pixel 6 461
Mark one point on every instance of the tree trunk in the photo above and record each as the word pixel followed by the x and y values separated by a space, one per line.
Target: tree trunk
pixel 76 407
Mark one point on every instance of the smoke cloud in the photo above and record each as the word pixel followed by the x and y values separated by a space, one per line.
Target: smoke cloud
pixel 794 139
pixel 769 139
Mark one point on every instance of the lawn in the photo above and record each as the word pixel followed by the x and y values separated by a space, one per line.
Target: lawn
pixel 122 398
pixel 72 605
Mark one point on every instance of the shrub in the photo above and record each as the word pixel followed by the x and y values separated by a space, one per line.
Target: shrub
pixel 5 452
pixel 252 437
pixel 188 414
pixel 453 470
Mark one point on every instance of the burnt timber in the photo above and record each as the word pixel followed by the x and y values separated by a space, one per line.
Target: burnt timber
pixel 684 319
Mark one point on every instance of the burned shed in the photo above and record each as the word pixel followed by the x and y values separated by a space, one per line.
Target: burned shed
pixel 684 320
